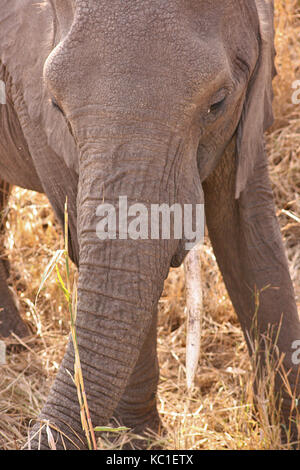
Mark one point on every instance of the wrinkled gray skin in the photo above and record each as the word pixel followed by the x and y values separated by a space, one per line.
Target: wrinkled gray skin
pixel 134 82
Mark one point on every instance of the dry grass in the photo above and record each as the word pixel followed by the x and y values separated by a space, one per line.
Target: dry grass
pixel 219 413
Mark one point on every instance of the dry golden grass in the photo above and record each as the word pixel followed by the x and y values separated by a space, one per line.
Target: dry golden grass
pixel 219 412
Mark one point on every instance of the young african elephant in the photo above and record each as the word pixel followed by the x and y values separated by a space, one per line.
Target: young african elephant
pixel 161 102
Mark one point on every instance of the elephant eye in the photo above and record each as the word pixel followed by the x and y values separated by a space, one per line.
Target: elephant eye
pixel 218 105
pixel 56 106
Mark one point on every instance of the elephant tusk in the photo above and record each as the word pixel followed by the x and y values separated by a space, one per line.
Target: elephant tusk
pixel 194 306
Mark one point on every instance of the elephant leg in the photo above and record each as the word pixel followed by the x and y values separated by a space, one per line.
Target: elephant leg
pixel 137 407
pixel 247 242
pixel 10 320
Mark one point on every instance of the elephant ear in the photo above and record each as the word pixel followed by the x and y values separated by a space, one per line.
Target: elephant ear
pixel 257 114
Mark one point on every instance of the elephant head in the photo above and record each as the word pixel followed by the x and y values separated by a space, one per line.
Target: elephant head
pixel 167 103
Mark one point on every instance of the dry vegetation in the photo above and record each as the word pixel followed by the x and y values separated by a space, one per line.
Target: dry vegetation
pixel 219 413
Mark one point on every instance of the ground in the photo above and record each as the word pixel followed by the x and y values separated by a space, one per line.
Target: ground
pixel 219 413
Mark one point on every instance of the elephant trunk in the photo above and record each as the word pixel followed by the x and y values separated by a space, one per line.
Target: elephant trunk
pixel 122 267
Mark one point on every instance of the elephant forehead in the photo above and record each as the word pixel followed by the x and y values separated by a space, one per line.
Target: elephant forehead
pixel 177 40
pixel 130 20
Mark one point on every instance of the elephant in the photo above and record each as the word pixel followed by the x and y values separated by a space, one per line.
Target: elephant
pixel 162 103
